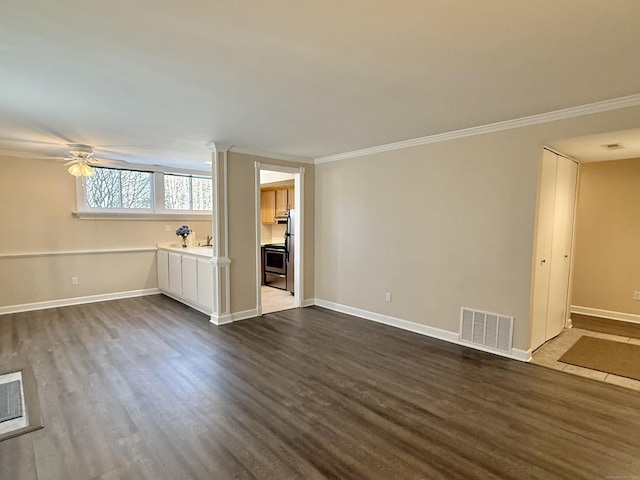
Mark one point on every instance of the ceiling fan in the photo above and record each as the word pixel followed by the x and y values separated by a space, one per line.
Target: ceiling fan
pixel 80 158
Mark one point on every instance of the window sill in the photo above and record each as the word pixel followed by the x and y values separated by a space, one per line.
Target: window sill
pixel 142 216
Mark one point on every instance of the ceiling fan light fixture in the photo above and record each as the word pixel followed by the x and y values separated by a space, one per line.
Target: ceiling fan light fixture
pixel 81 169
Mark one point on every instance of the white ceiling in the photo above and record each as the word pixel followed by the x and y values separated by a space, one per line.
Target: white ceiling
pixel 154 81
pixel 267 176
pixel 591 148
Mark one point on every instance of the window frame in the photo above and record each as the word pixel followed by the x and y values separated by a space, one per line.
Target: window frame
pixel 157 210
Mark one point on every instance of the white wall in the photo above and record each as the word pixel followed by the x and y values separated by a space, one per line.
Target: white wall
pixel 41 239
pixel 441 226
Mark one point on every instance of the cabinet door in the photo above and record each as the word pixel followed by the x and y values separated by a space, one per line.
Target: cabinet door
pixel 268 206
pixel 190 278
pixel 291 198
pixel 205 283
pixel 175 273
pixel 281 200
pixel 162 260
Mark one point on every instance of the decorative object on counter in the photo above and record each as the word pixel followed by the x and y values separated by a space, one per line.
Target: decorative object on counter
pixel 183 232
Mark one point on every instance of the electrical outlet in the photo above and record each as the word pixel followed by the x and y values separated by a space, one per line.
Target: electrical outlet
pixel 387 296
pixel 74 280
pixel 167 228
pixel 636 295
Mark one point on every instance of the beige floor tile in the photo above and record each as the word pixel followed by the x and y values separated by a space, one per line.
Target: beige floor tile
pixel 623 381
pixel 548 362
pixel 608 336
pixel 549 353
pixel 275 300
pixel 585 372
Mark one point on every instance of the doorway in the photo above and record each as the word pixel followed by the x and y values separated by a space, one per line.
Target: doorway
pixel 279 242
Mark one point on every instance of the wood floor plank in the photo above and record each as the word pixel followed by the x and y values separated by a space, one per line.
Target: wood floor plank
pixel 147 388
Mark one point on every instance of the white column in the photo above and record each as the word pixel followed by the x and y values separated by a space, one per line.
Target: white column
pixel 221 312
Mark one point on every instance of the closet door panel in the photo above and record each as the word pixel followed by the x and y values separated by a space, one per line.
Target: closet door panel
pixel 542 258
pixel 566 176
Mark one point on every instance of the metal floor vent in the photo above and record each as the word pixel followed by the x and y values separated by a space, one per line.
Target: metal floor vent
pixel 490 330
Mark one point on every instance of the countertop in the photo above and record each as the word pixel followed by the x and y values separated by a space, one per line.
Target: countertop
pixel 197 251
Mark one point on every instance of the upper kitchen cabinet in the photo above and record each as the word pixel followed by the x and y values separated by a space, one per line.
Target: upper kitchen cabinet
pixel 275 200
pixel 268 206
pixel 290 198
pixel 281 201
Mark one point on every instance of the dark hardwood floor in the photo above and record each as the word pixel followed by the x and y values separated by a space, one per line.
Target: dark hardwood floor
pixel 146 388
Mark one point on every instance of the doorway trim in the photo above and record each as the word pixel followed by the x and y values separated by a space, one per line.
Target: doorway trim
pixel 298 269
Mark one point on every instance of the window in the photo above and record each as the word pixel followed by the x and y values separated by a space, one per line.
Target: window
pixel 183 192
pixel 120 192
pixel 118 189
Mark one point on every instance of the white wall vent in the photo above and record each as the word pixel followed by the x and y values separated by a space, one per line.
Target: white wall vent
pixel 490 330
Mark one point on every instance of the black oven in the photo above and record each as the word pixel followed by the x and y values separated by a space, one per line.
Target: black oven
pixel 275 266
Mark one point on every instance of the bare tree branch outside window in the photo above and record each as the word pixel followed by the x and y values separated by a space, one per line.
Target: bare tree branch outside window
pixel 113 188
pixel 182 192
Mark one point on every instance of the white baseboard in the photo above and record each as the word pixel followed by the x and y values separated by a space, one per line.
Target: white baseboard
pixel 446 335
pixel 611 315
pixel 65 302
pixel 220 319
pixel 309 302
pixel 244 315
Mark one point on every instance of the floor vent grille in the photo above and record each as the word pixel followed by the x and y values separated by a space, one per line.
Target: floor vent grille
pixel 490 330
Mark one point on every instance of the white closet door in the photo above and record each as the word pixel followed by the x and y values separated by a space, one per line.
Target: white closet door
pixel 566 175
pixel 544 237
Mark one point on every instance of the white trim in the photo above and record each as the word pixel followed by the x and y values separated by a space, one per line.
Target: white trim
pixel 597 107
pixel 611 315
pixel 244 315
pixel 446 335
pixel 220 319
pixel 107 215
pixel 275 156
pixel 298 283
pixel 65 302
pixel 258 239
pixel 77 252
pixel 309 302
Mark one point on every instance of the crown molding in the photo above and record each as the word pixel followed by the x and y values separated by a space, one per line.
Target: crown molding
pixel 276 156
pixel 597 107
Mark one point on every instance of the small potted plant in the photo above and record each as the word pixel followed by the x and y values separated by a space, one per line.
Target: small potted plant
pixel 183 232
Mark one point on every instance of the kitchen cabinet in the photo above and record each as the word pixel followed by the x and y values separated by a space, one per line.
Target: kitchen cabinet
pixel 281 201
pixel 163 269
pixel 268 206
pixel 290 198
pixel 187 276
pixel 275 201
pixel 190 278
pixel 205 283
pixel 175 273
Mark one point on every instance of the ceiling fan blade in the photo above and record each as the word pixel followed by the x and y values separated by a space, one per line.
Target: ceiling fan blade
pixel 70 162
pixel 103 162
pixel 29 141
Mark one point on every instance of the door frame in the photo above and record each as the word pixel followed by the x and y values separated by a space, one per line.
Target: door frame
pixel 534 259
pixel 298 254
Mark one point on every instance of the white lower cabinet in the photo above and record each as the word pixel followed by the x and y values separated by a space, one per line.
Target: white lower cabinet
pixel 205 283
pixel 190 278
pixel 187 278
pixel 175 273
pixel 163 270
